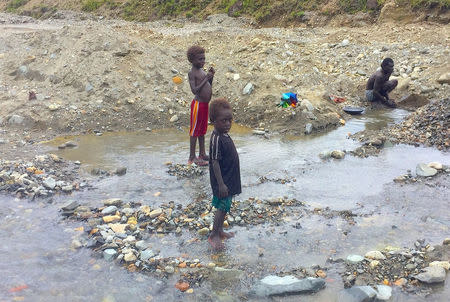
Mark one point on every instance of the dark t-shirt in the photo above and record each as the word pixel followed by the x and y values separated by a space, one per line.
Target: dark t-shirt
pixel 221 148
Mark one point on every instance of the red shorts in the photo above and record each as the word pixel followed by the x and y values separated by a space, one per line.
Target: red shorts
pixel 199 118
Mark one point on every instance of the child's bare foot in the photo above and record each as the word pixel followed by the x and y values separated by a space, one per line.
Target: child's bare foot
pixel 216 243
pixel 200 162
pixel 204 157
pixel 225 235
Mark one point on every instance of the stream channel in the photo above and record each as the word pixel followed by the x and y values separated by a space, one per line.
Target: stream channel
pixel 36 241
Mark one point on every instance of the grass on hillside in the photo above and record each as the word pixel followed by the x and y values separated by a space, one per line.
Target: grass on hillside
pixel 15 4
pixel 261 10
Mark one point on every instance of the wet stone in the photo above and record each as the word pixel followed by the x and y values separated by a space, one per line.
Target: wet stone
pixel 109 210
pixel 337 154
pixel 49 183
pixel 147 254
pixel 384 292
pixel 121 171
pixel 375 255
pixel 112 202
pixel 432 274
pixel 109 254
pixel 71 206
pixel 425 171
pixel 355 258
pixel 274 285
pixel 357 294
pixel 169 269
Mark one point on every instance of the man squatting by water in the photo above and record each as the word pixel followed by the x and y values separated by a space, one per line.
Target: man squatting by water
pixel 201 87
pixel 378 86
pixel 224 169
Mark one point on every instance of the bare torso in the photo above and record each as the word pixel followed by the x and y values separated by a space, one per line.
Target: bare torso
pixel 380 76
pixel 205 92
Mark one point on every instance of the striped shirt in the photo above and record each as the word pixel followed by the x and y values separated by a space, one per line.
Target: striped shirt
pixel 222 149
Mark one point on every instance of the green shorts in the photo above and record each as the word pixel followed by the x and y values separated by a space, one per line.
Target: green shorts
pixel 223 204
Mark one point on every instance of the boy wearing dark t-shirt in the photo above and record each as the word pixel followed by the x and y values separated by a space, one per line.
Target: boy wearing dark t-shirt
pixel 223 169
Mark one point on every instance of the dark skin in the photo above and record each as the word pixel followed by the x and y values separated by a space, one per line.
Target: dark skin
pixel 201 87
pixel 222 124
pixel 381 86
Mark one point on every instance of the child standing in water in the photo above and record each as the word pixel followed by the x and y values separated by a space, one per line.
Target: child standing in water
pixel 224 169
pixel 201 87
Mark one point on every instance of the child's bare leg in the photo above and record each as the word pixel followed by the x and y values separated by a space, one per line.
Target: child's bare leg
pixel 214 238
pixel 193 142
pixel 201 146
pixel 223 234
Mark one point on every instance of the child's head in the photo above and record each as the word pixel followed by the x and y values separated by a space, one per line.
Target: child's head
pixel 194 52
pixel 387 65
pixel 221 115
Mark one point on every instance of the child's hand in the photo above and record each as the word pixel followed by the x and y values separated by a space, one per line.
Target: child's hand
pixel 223 191
pixel 211 69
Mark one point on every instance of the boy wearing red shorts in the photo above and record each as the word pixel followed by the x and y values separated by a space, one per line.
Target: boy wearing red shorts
pixel 201 87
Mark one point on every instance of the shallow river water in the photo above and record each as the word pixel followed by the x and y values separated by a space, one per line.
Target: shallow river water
pixel 36 242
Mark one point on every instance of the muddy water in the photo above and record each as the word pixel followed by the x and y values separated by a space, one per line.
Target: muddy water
pixel 36 249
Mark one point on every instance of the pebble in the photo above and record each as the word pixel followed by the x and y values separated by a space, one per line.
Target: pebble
pixel 375 255
pixel 109 254
pixel 203 231
pixel 337 154
pixel 147 254
pixel 109 210
pixel 156 213
pixel 169 269
pixel 354 258
pixel 248 89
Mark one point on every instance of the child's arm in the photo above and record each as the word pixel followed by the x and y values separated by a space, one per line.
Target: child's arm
pixel 196 89
pixel 223 189
pixel 377 87
pixel 212 71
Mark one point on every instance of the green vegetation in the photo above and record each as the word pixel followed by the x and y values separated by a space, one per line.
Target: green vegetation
pixel 261 10
pixel 15 4
pixel 91 5
pixel 353 6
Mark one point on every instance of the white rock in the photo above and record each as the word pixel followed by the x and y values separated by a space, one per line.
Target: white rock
pixel 425 171
pixel 445 78
pixel 109 254
pixel 174 118
pixel 355 258
pixel 443 264
pixel 384 292
pixel 375 255
pixel 129 257
pixel 169 269
pixel 435 165
pixel 248 89
pixel 155 213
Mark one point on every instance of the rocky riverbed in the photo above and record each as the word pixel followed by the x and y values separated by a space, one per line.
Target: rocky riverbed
pixel 43 176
